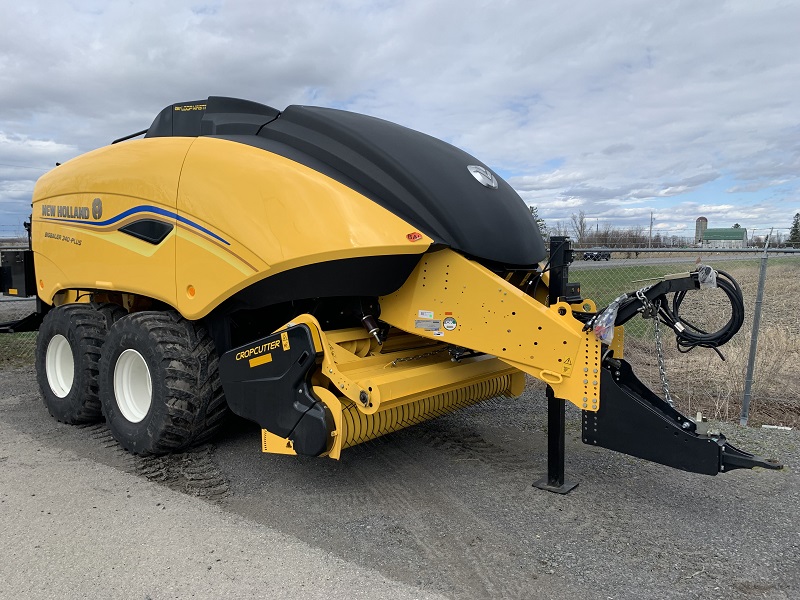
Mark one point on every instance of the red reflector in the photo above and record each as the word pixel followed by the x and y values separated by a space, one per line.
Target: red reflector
pixel 414 237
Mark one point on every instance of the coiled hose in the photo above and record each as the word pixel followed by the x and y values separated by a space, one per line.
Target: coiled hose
pixel 689 335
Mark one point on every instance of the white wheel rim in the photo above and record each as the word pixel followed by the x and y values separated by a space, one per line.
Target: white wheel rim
pixel 133 387
pixel 59 365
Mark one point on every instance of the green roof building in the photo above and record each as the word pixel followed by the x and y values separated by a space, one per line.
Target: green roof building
pixel 725 238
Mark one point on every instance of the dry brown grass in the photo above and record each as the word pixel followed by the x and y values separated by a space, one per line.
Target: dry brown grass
pixel 701 381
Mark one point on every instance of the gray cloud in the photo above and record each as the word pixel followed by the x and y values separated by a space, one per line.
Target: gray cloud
pixel 642 106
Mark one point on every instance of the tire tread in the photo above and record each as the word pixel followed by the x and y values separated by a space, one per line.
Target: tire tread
pixel 195 404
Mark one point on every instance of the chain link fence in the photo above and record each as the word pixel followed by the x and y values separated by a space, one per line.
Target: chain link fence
pixel 16 348
pixel 698 380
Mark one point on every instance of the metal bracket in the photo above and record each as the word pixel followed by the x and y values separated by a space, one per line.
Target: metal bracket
pixel 634 421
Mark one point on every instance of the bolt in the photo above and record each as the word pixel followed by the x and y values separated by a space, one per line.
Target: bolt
pixel 364 397
pixel 595 371
pixel 341 385
pixel 686 425
pixel 585 370
pixel 585 381
pixel 594 382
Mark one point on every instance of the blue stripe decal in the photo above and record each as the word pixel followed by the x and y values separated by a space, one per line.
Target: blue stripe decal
pixel 150 209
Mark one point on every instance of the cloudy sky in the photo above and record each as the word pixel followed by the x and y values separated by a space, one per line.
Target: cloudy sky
pixel 615 108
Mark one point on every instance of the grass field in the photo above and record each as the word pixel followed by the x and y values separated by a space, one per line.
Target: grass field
pixel 699 380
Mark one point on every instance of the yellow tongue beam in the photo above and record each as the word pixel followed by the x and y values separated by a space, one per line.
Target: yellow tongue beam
pixel 449 298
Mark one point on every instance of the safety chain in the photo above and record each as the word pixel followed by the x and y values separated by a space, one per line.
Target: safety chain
pixel 417 356
pixel 650 311
pixel 662 368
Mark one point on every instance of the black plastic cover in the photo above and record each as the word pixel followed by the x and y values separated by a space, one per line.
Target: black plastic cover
pixel 266 381
pixel 216 116
pixel 151 231
pixel 421 179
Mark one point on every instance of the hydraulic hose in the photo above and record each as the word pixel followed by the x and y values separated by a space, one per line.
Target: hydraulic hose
pixel 651 302
pixel 690 335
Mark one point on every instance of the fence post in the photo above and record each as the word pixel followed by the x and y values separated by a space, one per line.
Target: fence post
pixel 751 361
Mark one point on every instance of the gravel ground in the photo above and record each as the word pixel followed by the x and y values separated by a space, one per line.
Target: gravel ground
pixel 445 508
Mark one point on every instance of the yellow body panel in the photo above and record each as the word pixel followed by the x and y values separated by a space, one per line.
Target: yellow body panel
pixel 74 248
pixel 277 215
pixel 239 213
pixel 452 299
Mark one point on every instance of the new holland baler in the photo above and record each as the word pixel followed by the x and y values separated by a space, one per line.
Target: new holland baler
pixel 331 276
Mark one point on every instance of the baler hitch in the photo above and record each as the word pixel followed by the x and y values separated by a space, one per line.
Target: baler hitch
pixel 635 421
pixel 631 418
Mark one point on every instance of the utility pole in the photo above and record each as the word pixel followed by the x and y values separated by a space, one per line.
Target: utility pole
pixel 650 241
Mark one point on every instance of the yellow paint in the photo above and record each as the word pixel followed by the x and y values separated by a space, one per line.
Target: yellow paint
pixel 497 318
pixel 400 394
pixel 276 215
pixel 78 255
pixel 265 213
pixel 618 342
pixel 354 427
pixel 13 292
pixel 335 406
pixel 392 375
pixel 275 444
pixel 260 360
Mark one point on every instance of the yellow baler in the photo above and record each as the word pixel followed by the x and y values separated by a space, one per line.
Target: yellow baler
pixel 331 276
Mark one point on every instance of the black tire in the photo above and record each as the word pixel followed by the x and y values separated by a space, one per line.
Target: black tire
pixel 185 404
pixel 111 312
pixel 76 332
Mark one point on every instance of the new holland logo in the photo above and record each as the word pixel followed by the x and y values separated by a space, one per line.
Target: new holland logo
pixel 97 209
pixel 483 175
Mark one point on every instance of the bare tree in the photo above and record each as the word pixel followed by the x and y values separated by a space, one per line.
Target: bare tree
pixel 560 228
pixel 579 226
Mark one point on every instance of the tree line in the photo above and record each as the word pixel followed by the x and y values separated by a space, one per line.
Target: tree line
pixel 580 229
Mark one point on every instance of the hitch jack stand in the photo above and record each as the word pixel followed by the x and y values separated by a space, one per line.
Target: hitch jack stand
pixel 560 259
pixel 554 481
